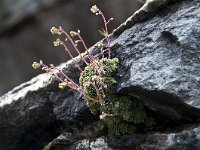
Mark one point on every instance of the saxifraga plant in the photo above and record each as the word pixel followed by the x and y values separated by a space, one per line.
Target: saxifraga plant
pixel 121 114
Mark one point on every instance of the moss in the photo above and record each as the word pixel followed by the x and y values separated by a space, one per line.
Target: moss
pixel 121 114
pixel 124 115
pixel 117 126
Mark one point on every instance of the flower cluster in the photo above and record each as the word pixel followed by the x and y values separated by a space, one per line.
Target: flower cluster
pixel 55 31
pixel 95 9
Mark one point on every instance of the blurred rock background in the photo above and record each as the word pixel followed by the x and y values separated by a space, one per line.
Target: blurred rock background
pixel 25 36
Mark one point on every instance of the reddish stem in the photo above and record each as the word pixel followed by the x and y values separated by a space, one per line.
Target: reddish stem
pixel 51 72
pixel 75 84
pixel 72 42
pixel 91 58
pixel 72 57
pixel 106 29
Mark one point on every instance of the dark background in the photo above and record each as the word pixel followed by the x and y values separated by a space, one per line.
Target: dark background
pixel 25 36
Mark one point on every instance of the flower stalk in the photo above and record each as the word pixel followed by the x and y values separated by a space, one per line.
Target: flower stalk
pixel 93 64
pixel 97 11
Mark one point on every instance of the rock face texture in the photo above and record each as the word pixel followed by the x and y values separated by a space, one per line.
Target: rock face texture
pixel 160 60
pixel 185 140
pixel 36 111
pixel 160 65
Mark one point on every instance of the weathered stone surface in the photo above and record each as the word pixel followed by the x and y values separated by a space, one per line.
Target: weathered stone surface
pixel 71 138
pixel 160 64
pixel 185 140
pixel 35 112
pixel 160 61
pixel 188 139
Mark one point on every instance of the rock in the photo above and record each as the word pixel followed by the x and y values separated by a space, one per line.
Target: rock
pixel 98 143
pixel 160 61
pixel 160 65
pixel 74 138
pixel 185 140
pixel 32 114
pixel 188 139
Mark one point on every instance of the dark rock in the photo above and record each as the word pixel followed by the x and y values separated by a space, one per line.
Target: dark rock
pixel 160 61
pixel 69 137
pixel 160 65
pixel 186 140
pixel 34 113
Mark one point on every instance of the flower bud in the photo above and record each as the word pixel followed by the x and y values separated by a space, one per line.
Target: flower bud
pixel 55 31
pixel 94 9
pixel 57 42
pixel 73 33
pixel 62 85
pixel 35 65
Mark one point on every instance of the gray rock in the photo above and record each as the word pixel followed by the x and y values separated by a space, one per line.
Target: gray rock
pixel 76 138
pixel 189 139
pixel 160 65
pixel 32 114
pixel 186 140
pixel 160 61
